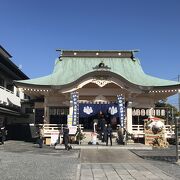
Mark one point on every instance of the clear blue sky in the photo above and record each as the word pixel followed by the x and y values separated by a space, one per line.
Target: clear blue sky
pixel 32 30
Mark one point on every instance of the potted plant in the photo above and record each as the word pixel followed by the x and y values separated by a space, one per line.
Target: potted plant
pixel 130 137
pixel 79 135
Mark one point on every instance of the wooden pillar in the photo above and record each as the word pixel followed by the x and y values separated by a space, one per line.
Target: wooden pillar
pixel 46 115
pixel 46 111
pixel 129 117
pixel 70 110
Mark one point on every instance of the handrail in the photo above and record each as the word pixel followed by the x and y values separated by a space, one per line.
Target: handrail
pixel 137 130
pixel 169 130
pixel 7 89
pixel 8 97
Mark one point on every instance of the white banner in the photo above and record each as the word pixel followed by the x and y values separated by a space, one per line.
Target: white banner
pixel 54 138
pixel 146 112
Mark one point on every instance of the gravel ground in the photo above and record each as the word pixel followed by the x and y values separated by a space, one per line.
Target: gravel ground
pixel 22 163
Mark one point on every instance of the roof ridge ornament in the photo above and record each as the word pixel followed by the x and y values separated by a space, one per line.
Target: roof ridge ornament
pixel 101 66
pixel 101 82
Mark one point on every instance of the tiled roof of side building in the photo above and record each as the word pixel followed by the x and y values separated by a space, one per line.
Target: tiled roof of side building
pixel 8 63
pixel 70 69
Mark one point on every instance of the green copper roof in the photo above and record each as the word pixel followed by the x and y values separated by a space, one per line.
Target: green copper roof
pixel 70 69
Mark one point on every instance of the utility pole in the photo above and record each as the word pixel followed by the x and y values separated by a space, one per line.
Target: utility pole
pixel 177 135
pixel 179 93
pixel 172 116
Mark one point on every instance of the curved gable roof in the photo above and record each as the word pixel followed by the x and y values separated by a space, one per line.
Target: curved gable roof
pixel 70 69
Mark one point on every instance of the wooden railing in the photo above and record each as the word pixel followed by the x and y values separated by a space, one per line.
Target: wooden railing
pixel 52 128
pixel 48 129
pixel 170 131
pixel 137 130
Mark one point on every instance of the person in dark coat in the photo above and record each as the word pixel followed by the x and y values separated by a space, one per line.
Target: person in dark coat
pixel 3 134
pixel 103 122
pixel 108 117
pixel 105 134
pixel 109 134
pixel 120 133
pixel 40 136
pixel 66 138
pixel 101 125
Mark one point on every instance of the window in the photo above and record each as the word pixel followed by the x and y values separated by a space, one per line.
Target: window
pixel 28 110
pixel 1 82
pixel 10 87
pixel 58 115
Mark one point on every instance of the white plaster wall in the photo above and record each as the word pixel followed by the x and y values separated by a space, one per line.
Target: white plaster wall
pixel 100 91
pixel 39 105
pixel 21 95
pixel 56 101
pixel 15 90
pixel 143 102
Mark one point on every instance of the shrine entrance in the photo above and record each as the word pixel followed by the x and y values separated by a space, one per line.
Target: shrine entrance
pixel 89 113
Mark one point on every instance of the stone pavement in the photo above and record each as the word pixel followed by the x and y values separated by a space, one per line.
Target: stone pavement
pixel 166 154
pixel 117 164
pixel 24 161
pixel 140 171
pixel 136 146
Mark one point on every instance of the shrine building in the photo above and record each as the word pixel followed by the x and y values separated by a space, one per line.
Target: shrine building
pixel 97 79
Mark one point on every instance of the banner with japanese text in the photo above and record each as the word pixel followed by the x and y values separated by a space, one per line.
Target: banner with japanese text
pixel 121 110
pixel 75 104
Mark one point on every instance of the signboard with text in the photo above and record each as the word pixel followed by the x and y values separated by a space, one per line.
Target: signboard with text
pixel 75 104
pixel 121 110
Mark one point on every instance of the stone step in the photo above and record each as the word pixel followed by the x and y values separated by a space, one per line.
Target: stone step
pixel 133 147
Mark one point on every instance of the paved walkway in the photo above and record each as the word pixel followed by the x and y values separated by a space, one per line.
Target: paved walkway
pixel 24 161
pixel 139 171
pixel 117 164
pixel 167 154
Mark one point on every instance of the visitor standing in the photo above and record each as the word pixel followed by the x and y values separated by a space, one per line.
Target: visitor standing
pixel 3 134
pixel 102 127
pixel 66 138
pixel 41 136
pixel 120 137
pixel 105 134
pixel 109 134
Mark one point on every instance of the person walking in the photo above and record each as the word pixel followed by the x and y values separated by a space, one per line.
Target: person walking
pixel 109 134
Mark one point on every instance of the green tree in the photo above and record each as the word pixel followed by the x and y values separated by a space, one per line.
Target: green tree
pixel 171 111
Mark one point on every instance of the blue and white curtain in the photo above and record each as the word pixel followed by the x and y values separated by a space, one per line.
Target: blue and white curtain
pixel 121 110
pixel 75 104
pixel 89 109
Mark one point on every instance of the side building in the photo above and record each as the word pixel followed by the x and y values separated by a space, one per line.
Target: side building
pixel 10 96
